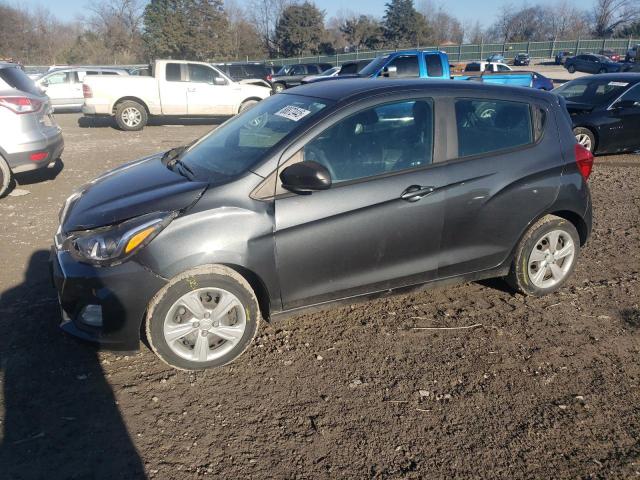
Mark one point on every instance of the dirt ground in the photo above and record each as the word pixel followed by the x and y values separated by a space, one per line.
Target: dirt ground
pixel 544 388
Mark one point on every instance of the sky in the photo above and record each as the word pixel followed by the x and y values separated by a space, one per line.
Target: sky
pixel 483 10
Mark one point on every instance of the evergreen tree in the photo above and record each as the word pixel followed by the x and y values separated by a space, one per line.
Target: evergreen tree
pixel 300 29
pixel 404 25
pixel 186 29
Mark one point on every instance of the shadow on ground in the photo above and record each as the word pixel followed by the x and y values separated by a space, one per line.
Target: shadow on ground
pixel 105 122
pixel 40 175
pixel 60 417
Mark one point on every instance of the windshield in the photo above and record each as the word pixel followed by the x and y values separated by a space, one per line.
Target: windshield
pixel 373 68
pixel 328 73
pixel 591 90
pixel 240 143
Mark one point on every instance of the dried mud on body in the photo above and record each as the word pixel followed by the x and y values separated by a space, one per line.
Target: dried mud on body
pixel 544 388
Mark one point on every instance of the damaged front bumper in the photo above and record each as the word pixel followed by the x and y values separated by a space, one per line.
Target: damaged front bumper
pixel 103 304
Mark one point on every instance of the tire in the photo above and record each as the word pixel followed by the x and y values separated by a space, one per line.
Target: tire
pixel 278 87
pixel 571 69
pixel 586 138
pixel 602 70
pixel 6 177
pixel 131 116
pixel 196 327
pixel 539 267
pixel 247 105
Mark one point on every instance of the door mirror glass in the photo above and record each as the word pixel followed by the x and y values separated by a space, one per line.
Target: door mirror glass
pixel 390 71
pixel 305 177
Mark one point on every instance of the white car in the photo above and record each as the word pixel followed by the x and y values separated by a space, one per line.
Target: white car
pixel 177 88
pixel 487 66
pixel 63 86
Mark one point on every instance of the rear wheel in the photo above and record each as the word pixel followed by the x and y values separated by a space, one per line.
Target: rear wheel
pixel 545 257
pixel 585 137
pixel 247 105
pixel 6 177
pixel 278 87
pixel 203 319
pixel 602 70
pixel 131 116
pixel 571 69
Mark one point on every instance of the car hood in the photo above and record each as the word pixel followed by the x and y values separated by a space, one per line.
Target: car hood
pixel 134 189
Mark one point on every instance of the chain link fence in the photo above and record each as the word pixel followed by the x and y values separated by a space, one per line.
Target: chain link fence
pixel 467 53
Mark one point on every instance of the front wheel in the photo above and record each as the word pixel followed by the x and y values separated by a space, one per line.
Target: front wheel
pixel 247 105
pixel 278 87
pixel 203 319
pixel 602 70
pixel 545 257
pixel 571 69
pixel 131 116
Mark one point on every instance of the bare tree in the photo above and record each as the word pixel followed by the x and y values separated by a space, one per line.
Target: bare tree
pixel 264 15
pixel 611 15
pixel 118 23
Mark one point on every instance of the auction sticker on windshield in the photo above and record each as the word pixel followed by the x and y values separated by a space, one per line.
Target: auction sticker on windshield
pixel 291 112
pixel 618 84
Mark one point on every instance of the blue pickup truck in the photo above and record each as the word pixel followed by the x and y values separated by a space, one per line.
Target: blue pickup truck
pixel 429 64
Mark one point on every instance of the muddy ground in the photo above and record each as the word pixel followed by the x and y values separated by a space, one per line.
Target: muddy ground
pixel 544 388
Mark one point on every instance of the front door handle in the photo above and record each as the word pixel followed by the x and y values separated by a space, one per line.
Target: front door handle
pixel 416 192
pixel 191 89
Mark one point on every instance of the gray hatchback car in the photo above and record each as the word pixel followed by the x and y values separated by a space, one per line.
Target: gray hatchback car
pixel 325 193
pixel 29 136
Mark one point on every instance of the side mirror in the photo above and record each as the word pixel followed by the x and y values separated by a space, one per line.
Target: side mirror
pixel 219 81
pixel 626 104
pixel 44 83
pixel 390 71
pixel 305 177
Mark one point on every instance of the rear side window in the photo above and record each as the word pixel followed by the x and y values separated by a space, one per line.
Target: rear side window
pixel 472 67
pixel 349 68
pixel 236 71
pixel 503 68
pixel 173 72
pixel 16 78
pixel 407 66
pixel 255 71
pixel 313 69
pixel 434 65
pixel 486 126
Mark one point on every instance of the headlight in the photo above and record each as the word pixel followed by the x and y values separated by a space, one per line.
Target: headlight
pixel 113 244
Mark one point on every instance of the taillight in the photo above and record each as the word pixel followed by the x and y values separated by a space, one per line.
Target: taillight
pixel 86 91
pixel 21 105
pixel 584 160
pixel 269 77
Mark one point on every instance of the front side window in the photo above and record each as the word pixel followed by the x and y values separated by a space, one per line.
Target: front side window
pixel 503 68
pixel 378 140
pixel 491 125
pixel 407 66
pixel 201 74
pixel 59 78
pixel 633 94
pixel 298 70
pixel 472 67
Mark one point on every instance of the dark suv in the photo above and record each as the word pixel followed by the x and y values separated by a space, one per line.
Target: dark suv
pixel 327 193
pixel 252 72
pixel 291 75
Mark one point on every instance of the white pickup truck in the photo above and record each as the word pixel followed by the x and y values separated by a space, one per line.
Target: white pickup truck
pixel 177 88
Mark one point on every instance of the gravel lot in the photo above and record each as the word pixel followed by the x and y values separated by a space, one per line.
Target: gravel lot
pixel 545 388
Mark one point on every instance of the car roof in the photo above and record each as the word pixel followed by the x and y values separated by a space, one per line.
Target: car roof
pixel 630 77
pixel 352 89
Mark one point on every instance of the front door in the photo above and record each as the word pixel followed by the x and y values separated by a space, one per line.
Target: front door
pixel 208 93
pixel 626 133
pixel 379 224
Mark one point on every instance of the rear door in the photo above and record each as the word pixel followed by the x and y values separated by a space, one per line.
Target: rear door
pixel 503 173
pixel 173 88
pixel 208 93
pixel 379 225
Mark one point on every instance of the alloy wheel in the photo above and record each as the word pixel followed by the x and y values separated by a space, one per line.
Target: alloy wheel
pixel 551 259
pixel 584 140
pixel 204 324
pixel 131 117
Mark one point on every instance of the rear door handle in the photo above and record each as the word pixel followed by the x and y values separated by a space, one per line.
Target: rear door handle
pixel 416 192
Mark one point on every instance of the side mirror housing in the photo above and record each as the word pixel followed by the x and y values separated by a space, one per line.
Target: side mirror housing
pixel 219 81
pixel 626 104
pixel 305 177
pixel 390 71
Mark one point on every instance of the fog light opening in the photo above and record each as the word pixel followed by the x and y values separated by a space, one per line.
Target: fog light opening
pixel 91 315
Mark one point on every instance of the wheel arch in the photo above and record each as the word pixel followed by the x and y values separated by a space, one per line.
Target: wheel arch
pixel 248 99
pixel 126 99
